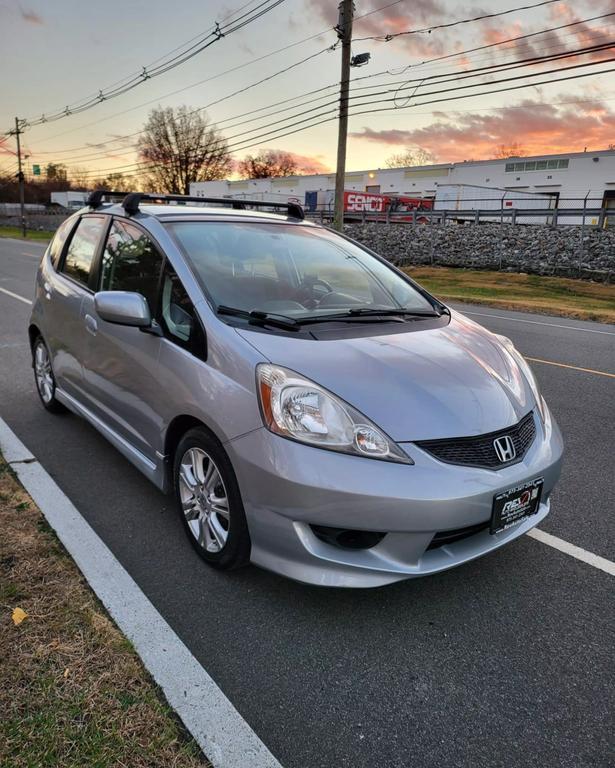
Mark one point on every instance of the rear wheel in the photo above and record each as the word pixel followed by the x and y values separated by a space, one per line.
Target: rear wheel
pixel 209 501
pixel 44 378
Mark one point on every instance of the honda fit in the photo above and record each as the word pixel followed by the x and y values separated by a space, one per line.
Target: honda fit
pixel 312 409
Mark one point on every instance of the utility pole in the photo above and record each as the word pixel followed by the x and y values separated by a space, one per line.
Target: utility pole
pixel 344 33
pixel 20 178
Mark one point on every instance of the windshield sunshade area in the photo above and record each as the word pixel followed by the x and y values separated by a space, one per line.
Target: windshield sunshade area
pixel 291 271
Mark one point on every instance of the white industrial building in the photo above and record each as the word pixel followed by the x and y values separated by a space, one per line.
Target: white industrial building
pixel 570 179
pixel 70 199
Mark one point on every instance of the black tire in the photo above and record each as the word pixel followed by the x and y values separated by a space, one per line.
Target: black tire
pixel 46 393
pixel 235 551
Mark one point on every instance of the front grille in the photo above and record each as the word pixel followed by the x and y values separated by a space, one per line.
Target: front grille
pixel 479 451
pixel 457 534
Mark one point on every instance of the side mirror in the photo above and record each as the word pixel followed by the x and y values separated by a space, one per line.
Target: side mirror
pixel 123 308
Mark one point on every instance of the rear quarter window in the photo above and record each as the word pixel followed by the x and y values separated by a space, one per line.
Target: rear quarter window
pixel 57 244
pixel 81 251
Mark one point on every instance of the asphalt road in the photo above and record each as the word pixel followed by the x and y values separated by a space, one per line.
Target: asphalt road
pixel 506 661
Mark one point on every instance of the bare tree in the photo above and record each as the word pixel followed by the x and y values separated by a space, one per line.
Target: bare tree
pixel 56 172
pixel 268 163
pixel 115 182
pixel 80 177
pixel 514 149
pixel 179 146
pixel 415 156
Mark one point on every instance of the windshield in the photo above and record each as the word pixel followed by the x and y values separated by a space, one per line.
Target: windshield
pixel 291 270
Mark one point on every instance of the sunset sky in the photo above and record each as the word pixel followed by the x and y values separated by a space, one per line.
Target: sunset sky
pixel 56 53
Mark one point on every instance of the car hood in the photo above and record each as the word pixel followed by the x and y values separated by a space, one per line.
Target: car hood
pixel 453 381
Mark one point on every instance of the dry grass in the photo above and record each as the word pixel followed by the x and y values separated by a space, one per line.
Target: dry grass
pixel 72 691
pixel 532 293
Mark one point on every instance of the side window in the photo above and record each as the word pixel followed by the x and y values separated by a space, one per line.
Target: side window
pixel 178 317
pixel 131 262
pixel 82 248
pixel 57 244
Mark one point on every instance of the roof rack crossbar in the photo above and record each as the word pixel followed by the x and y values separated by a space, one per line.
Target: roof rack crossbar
pixel 95 198
pixel 132 201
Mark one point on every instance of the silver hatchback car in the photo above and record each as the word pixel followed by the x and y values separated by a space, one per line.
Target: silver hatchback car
pixel 313 409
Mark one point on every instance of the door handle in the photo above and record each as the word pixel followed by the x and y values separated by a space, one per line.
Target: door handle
pixel 47 289
pixel 91 325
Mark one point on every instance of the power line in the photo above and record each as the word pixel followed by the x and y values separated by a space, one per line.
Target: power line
pixel 178 90
pixel 366 77
pixel 496 68
pixel 447 25
pixel 317 121
pixel 488 46
pixel 440 78
pixel 243 141
pixel 468 75
pixel 233 69
pixel 225 98
pixel 146 73
pixel 500 90
pixel 447 90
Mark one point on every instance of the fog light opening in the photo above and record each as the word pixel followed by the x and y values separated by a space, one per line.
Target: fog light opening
pixel 346 538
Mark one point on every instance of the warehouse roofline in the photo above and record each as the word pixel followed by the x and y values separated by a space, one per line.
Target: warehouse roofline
pixel 441 166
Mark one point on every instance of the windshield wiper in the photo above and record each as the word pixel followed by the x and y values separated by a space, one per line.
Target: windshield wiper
pixel 367 311
pixel 360 313
pixel 258 317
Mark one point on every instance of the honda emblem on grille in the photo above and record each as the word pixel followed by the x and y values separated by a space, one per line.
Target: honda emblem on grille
pixel 505 448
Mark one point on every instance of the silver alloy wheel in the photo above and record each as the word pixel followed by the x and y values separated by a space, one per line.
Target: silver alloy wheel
pixel 42 372
pixel 204 499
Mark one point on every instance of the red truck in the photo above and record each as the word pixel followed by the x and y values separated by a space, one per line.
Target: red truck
pixel 377 205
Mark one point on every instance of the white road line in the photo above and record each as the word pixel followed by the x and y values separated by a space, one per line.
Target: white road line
pixel 15 296
pixel 571 549
pixel 223 735
pixel 33 255
pixel 537 322
pixel 30 243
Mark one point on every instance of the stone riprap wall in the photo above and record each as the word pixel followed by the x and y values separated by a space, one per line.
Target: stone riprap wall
pixel 541 250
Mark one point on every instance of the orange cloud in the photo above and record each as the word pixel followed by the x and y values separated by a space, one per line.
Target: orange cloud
pixel 392 20
pixel 597 32
pixel 5 149
pixel 311 163
pixel 539 128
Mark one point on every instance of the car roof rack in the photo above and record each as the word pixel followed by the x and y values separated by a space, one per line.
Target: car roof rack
pixel 132 201
pixel 95 198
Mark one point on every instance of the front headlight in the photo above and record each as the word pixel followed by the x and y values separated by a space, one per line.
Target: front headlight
pixel 528 373
pixel 295 407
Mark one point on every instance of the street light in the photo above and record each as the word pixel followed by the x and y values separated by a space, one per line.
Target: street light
pixel 360 60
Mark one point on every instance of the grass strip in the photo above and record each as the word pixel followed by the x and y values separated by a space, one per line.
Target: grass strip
pixel 561 296
pixel 31 234
pixel 73 692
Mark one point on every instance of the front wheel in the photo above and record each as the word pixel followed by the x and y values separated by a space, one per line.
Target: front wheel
pixel 44 378
pixel 209 501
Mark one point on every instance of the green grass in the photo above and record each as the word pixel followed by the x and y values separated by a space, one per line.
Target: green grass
pixel 31 234
pixel 561 296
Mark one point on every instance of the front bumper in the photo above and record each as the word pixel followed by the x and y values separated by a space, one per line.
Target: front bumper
pixel 287 487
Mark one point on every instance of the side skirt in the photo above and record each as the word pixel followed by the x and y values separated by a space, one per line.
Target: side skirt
pixel 152 470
